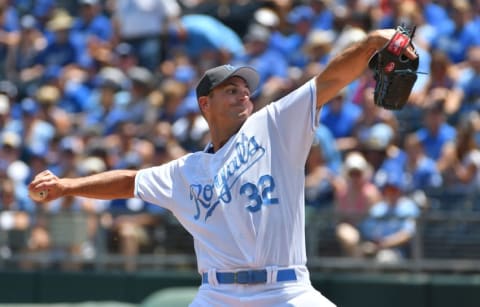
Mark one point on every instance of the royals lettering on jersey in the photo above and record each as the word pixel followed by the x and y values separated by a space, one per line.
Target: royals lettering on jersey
pixel 247 152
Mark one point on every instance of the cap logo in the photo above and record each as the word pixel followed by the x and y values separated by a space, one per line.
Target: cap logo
pixel 229 67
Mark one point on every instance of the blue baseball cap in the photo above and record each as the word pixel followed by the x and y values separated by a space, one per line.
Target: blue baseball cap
pixel 8 88
pixel 379 136
pixel 28 22
pixel 395 180
pixel 29 106
pixel 43 7
pixel 390 177
pixel 69 144
pixel 38 150
pixel 300 13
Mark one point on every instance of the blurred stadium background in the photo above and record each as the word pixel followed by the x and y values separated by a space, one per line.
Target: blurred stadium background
pixel 93 85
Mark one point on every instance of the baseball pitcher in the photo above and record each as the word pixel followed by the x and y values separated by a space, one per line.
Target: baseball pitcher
pixel 242 198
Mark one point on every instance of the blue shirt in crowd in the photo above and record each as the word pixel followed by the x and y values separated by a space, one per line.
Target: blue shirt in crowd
pixel 433 144
pixel 341 124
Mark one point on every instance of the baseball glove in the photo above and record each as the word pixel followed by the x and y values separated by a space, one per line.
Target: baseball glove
pixel 394 73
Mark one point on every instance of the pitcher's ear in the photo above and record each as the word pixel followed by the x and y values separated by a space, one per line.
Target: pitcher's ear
pixel 203 102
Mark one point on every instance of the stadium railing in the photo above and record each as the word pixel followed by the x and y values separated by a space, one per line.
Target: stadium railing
pixel 447 240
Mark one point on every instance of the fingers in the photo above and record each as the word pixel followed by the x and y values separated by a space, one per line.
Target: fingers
pixel 42 180
pixel 45 184
pixel 410 53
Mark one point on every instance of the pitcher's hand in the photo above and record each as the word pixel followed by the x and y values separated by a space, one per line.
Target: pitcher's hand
pixel 48 184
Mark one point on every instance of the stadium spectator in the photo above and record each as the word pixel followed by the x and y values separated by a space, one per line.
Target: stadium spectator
pixel 13 167
pixel 167 147
pixel 11 149
pixel 461 36
pixel 354 196
pixel 354 28
pixel 475 118
pixel 21 57
pixel 9 89
pixel 37 158
pixel 354 191
pixel 330 152
pixel 436 131
pixel 300 20
pixel 47 98
pixel 271 19
pixel 9 33
pixel 93 29
pixel 173 94
pixel 267 17
pixel 61 49
pixel 7 122
pixel 65 154
pixel 418 13
pixel 317 48
pixel 371 114
pixel 270 64
pixel 435 14
pixel 36 132
pixel 465 96
pixel 420 172
pixel 399 13
pixel 180 109
pixel 132 223
pixel 319 189
pixel 72 221
pixel 107 110
pixel 20 234
pixel 386 234
pixel 324 16
pixel 380 149
pixel 340 116
pixel 123 57
pixel 133 230
pixel 441 79
pixel 143 25
pixel 91 24
pixel 459 161
pixel 42 10
pixel 141 85
pixel 14 220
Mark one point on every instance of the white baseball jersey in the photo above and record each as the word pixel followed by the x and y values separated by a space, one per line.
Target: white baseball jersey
pixel 244 204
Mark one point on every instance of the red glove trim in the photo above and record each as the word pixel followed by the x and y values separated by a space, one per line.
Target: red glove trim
pixel 398 42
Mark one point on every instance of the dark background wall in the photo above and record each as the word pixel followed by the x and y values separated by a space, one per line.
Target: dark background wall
pixel 345 289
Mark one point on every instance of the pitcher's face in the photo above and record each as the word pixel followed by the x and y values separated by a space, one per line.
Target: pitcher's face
pixel 229 102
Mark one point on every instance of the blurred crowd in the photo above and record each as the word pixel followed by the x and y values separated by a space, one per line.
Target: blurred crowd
pixel 94 85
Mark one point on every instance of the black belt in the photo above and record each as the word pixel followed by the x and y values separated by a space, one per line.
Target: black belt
pixel 250 276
